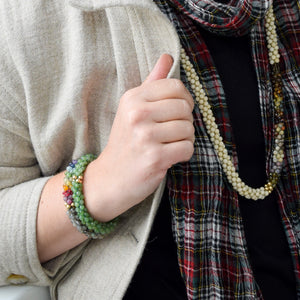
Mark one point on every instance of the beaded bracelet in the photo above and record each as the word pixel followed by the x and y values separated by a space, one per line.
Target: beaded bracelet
pixel 74 201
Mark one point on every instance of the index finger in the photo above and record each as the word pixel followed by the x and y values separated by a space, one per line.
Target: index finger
pixel 166 89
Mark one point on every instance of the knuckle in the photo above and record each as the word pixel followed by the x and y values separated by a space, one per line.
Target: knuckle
pixel 178 85
pixel 143 138
pixel 129 94
pixel 191 102
pixel 180 89
pixel 186 109
pixel 190 99
pixel 154 159
pixel 188 151
pixel 137 114
pixel 190 129
pixel 193 139
pixel 161 174
pixel 134 116
pixel 147 135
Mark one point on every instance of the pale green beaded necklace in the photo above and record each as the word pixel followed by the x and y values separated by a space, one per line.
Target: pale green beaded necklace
pixel 278 150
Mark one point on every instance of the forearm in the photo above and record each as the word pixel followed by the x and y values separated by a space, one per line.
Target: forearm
pixel 55 232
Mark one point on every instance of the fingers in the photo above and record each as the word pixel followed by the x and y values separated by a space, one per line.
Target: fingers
pixel 152 130
pixel 173 131
pixel 172 153
pixel 158 87
pixel 158 114
pixel 170 101
pixel 161 68
pixel 178 152
pixel 165 89
pixel 170 109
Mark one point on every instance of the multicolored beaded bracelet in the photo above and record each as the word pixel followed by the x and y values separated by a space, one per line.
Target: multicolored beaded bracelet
pixel 74 201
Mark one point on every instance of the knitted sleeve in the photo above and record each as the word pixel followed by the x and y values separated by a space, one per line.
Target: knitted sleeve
pixel 21 177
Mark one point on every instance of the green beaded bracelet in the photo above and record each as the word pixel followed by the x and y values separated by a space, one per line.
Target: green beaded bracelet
pixel 74 201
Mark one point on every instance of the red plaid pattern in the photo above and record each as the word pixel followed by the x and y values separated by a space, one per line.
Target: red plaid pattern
pixel 206 219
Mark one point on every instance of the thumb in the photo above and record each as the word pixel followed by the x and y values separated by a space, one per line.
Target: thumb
pixel 161 68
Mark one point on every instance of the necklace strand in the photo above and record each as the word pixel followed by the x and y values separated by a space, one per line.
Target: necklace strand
pixel 278 148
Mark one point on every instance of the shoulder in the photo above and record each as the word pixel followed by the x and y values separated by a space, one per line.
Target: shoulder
pixel 25 18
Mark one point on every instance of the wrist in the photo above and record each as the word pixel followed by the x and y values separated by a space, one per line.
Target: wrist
pixel 98 192
pixel 76 203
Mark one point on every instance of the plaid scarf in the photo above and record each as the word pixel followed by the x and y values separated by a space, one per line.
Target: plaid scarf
pixel 207 224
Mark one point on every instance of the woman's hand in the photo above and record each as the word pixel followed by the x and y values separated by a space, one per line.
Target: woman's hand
pixel 153 129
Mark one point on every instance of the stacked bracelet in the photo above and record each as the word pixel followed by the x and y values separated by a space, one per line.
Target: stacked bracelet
pixel 74 201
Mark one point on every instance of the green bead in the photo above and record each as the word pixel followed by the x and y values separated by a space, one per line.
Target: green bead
pixel 95 229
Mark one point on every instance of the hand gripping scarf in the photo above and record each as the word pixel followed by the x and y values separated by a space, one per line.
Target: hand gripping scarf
pixel 207 225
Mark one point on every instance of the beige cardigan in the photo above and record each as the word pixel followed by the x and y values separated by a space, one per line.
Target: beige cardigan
pixel 64 64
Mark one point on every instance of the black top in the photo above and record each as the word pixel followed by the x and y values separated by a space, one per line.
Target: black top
pixel 157 276
pixel 268 249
